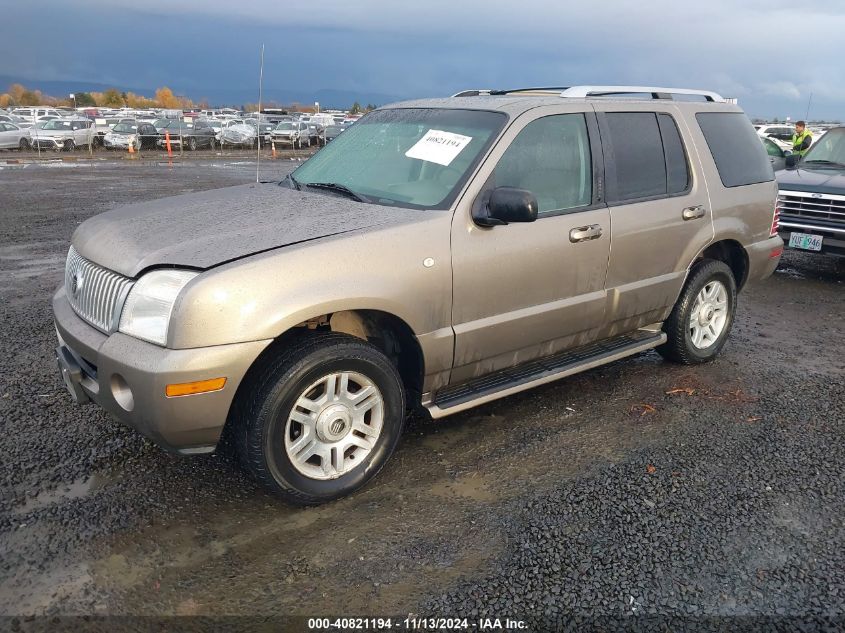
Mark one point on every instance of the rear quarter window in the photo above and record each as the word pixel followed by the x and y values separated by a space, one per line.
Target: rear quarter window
pixel 736 148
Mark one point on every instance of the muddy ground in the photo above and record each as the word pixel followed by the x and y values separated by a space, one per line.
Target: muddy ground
pixel 640 488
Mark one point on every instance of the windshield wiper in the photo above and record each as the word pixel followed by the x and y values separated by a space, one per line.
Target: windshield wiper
pixel 333 186
pixel 821 161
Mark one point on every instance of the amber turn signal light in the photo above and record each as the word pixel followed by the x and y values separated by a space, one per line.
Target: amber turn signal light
pixel 191 388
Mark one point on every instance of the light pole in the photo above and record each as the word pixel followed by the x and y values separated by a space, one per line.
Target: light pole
pixel 72 95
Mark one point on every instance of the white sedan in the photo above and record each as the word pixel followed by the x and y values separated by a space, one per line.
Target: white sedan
pixel 13 136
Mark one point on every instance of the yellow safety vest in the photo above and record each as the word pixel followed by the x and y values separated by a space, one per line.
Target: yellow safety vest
pixel 798 141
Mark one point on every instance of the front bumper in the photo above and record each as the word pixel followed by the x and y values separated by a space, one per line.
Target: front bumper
pixel 127 377
pixel 763 258
pixel 833 237
pixel 46 143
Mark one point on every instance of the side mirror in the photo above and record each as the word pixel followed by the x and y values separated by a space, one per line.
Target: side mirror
pixel 792 160
pixel 504 205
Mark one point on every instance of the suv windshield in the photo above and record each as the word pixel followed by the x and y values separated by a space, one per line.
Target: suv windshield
pixel 415 157
pixel 56 124
pixel 830 148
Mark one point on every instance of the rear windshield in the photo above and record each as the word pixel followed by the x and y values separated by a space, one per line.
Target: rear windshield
pixel 736 148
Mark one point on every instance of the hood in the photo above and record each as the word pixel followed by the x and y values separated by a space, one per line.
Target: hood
pixel 812 180
pixel 201 230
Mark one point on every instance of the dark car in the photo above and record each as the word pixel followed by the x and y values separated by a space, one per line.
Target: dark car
pixel 811 197
pixel 332 132
pixel 265 130
pixel 194 136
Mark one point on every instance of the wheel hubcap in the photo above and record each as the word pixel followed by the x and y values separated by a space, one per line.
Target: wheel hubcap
pixel 709 315
pixel 334 424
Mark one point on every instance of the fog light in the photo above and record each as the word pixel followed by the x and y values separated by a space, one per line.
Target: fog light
pixel 122 393
pixel 191 388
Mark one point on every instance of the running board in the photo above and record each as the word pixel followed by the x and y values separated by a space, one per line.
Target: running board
pixel 538 372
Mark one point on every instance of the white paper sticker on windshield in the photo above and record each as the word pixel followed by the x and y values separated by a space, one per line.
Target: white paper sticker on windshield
pixel 437 146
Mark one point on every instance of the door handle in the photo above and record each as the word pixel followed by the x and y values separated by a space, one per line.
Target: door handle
pixel 693 213
pixel 585 233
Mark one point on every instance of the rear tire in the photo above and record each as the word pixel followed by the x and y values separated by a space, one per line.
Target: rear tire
pixel 348 443
pixel 23 144
pixel 701 320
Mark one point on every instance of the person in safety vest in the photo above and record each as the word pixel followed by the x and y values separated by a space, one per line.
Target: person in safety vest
pixel 801 139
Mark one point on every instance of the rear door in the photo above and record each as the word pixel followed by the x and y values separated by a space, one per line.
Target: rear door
pixel 659 210
pixel 7 135
pixel 523 291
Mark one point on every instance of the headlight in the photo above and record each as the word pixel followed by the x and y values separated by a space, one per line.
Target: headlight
pixel 146 313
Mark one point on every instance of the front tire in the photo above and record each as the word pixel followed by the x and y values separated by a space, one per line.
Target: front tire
pixel 69 145
pixel 701 320
pixel 319 419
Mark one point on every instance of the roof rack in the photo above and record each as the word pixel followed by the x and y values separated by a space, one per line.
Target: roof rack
pixel 585 92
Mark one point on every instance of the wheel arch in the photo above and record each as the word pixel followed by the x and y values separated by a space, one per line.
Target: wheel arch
pixel 732 253
pixel 386 331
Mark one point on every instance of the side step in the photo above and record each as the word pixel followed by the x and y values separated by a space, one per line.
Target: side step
pixel 538 372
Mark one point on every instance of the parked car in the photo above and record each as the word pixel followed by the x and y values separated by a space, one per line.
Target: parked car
pixel 264 130
pixel 316 134
pixel 138 135
pixel 332 132
pixel 447 253
pixel 193 135
pixel 241 135
pixel 293 133
pixel 16 120
pixel 63 134
pixel 36 113
pixel 780 134
pixel 13 136
pixel 777 155
pixel 811 197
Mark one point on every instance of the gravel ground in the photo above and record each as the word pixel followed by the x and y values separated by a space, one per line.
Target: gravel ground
pixel 639 490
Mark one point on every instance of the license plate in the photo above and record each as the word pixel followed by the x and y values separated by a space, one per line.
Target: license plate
pixel 805 241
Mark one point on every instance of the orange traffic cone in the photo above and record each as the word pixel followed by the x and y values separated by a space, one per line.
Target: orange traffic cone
pixel 167 142
pixel 273 145
pixel 131 149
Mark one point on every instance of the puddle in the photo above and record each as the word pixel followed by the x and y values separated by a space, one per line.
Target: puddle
pixel 469 487
pixel 791 273
pixel 78 489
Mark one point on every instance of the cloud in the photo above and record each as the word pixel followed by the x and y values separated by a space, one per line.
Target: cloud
pixel 750 49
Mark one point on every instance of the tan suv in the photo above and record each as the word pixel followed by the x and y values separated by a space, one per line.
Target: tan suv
pixel 440 253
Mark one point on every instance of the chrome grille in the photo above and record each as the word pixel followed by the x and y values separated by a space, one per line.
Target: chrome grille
pixel 95 293
pixel 827 208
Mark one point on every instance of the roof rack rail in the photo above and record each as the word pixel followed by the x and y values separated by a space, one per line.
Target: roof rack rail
pixel 584 92
pixel 480 92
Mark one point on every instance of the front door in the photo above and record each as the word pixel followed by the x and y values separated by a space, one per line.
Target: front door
pixel 522 291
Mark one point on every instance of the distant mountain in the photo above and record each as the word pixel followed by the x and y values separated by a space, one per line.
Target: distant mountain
pixel 216 95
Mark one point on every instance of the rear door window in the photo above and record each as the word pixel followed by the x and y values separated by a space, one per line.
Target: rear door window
pixel 736 148
pixel 645 156
pixel 677 168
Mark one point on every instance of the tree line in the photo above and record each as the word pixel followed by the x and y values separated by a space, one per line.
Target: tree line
pixel 19 95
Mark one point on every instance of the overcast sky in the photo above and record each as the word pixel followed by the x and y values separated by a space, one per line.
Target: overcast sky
pixel 770 54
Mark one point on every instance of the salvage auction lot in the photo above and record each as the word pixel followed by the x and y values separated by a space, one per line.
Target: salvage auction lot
pixel 638 488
